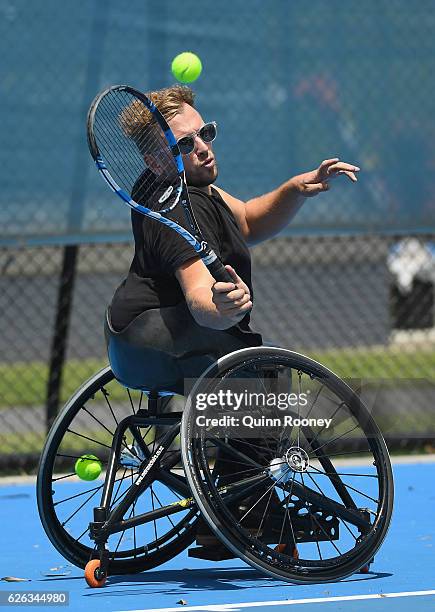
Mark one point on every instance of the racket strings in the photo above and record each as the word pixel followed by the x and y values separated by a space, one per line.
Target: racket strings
pixel 135 150
pixel 113 144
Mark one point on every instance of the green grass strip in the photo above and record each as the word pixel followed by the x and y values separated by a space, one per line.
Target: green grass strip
pixel 25 384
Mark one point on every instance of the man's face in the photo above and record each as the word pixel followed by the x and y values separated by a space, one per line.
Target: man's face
pixel 200 165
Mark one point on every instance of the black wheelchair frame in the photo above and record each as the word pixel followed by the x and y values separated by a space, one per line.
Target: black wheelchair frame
pixel 266 515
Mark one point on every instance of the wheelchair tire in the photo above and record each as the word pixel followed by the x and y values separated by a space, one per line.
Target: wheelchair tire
pixel 329 494
pixel 85 425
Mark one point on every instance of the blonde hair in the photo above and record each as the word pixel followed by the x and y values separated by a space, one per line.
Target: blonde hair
pixel 136 117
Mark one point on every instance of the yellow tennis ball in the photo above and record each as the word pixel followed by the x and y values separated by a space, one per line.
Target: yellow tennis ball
pixel 186 67
pixel 88 467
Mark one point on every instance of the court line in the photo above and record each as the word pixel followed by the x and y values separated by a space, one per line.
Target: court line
pixel 233 607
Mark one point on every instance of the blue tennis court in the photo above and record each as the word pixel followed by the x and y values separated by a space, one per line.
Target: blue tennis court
pixel 319 118
pixel 400 578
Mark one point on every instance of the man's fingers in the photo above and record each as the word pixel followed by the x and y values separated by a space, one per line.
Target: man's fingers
pixel 313 189
pixel 331 167
pixel 335 161
pixel 342 166
pixel 221 287
pixel 233 273
pixel 243 300
pixel 232 296
pixel 238 310
pixel 328 162
pixel 349 173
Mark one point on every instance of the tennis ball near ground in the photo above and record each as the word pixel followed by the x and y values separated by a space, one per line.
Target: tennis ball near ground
pixel 186 67
pixel 88 467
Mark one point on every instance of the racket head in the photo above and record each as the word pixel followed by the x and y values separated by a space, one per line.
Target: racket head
pixel 130 140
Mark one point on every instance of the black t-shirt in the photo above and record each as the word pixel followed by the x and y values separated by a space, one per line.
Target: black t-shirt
pixel 159 251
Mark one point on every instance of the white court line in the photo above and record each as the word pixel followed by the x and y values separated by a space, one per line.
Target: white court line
pixel 233 607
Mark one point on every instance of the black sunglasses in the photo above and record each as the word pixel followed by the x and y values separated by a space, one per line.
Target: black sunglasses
pixel 207 134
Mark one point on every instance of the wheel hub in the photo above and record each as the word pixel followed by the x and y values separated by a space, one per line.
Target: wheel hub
pixel 131 457
pixel 297 459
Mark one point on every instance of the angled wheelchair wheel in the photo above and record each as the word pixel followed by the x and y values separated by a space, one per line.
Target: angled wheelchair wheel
pixel 86 426
pixel 307 498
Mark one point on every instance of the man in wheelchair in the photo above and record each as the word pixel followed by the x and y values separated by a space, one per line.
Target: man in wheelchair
pixel 304 503
pixel 169 319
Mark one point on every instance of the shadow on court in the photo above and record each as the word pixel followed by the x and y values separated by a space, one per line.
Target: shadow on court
pixel 217 579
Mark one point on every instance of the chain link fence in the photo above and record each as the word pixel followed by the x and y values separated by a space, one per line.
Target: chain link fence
pixel 352 281
pixel 337 299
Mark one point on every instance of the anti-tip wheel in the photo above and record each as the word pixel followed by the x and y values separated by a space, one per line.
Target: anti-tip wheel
pixel 91 574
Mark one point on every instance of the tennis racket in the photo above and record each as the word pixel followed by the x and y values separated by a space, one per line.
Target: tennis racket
pixel 136 153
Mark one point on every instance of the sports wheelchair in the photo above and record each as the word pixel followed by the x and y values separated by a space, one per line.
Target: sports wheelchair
pixel 308 501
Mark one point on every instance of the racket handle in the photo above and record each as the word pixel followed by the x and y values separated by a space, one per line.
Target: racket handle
pixel 219 272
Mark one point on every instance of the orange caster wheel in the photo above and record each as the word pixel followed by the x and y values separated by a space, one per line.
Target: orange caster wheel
pixel 90 571
pixel 366 568
pixel 282 548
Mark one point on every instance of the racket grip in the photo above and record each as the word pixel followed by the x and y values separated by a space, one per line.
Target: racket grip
pixel 219 272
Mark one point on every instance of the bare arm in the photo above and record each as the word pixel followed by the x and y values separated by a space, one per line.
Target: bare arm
pixel 265 216
pixel 212 304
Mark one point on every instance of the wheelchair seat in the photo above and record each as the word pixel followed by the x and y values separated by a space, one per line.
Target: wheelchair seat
pixel 162 347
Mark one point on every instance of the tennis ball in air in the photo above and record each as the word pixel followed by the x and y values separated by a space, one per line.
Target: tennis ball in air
pixel 88 467
pixel 186 67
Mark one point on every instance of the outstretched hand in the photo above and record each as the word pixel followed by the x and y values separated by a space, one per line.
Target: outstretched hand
pixel 312 183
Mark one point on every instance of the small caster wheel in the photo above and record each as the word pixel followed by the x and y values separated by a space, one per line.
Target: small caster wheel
pixel 282 548
pixel 93 574
pixel 366 568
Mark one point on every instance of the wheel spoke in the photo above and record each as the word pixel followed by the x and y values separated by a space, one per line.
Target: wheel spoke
pixel 76 433
pixel 320 491
pixel 314 518
pixel 287 513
